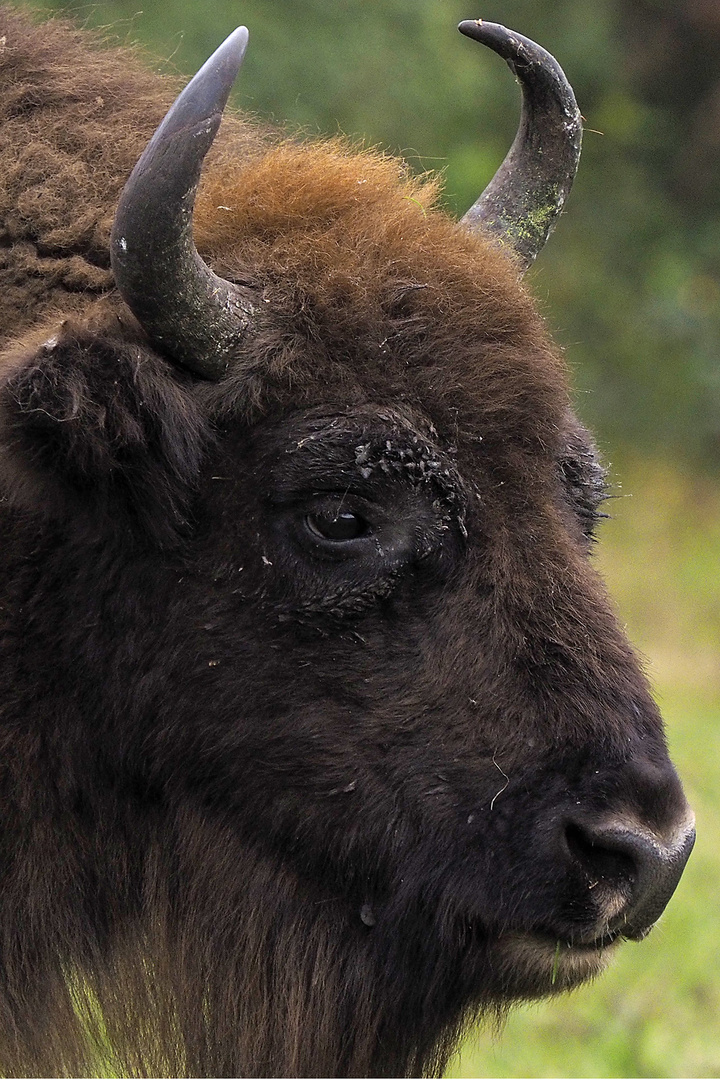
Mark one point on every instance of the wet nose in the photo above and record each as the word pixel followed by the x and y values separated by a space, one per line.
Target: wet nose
pixel 639 868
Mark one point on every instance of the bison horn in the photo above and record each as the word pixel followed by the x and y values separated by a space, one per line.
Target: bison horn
pixel 521 203
pixel 191 314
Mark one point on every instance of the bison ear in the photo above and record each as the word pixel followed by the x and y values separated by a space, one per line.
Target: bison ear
pixel 93 421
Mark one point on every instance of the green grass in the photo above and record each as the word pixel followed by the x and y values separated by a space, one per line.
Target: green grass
pixel 657 1011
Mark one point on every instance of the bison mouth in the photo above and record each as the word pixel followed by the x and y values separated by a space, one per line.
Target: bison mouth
pixel 535 964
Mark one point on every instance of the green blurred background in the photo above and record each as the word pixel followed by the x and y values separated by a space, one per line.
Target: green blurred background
pixel 630 284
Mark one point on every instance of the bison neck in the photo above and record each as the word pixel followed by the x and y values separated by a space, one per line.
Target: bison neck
pixel 221 964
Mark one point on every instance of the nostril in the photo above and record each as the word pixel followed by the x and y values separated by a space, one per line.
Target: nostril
pixel 599 857
pixel 641 869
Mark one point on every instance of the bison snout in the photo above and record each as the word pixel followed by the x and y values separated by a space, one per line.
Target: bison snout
pixel 634 869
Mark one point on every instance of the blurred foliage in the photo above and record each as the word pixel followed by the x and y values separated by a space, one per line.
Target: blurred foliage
pixel 631 279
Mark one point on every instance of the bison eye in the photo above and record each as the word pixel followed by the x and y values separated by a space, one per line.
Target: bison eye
pixel 337 525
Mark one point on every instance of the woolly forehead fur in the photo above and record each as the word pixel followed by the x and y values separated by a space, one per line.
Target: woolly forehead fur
pixel 371 290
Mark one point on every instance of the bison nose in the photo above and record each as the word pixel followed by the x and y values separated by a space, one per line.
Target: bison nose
pixel 637 868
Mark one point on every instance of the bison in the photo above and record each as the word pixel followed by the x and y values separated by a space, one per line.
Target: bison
pixel 319 735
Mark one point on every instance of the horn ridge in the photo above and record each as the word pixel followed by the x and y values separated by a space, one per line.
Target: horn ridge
pixel 195 317
pixel 521 204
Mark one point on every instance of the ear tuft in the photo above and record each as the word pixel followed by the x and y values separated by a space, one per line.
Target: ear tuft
pixel 92 420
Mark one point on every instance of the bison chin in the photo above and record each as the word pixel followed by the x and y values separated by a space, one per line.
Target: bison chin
pixel 532 966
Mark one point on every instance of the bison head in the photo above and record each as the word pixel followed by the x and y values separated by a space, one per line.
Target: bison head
pixel 335 737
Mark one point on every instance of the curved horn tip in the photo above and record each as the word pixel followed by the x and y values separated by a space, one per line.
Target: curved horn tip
pixel 230 52
pixel 484 31
pixel 208 91
pixel 520 51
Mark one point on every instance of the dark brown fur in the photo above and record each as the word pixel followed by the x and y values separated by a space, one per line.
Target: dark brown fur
pixel 267 812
